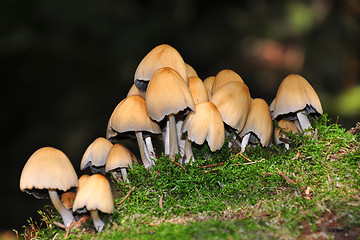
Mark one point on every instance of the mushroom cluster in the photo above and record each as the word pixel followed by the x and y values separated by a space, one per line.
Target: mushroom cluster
pixel 169 102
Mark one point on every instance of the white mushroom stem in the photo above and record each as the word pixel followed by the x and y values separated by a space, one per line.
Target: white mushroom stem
pixel 98 223
pixel 117 176
pixel 124 175
pixel 166 139
pixel 181 137
pixel 141 145
pixel 188 151
pixel 245 141
pixel 150 147
pixel 303 120
pixel 287 146
pixel 297 125
pixel 65 213
pixel 147 155
pixel 174 148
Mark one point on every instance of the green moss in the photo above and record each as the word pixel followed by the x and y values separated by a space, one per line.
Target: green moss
pixel 240 199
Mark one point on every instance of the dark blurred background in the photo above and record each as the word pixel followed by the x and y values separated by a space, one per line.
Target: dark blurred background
pixel 65 65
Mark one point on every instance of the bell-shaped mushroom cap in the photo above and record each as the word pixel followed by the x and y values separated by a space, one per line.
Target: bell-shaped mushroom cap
pixel 161 56
pixel 259 121
pixel 48 168
pixel 233 102
pixel 95 194
pixel 205 123
pixel 295 94
pixel 198 90
pixel 223 77
pixel 82 180
pixel 96 153
pixel 119 157
pixel 167 94
pixel 131 115
pixel 190 71
pixel 209 82
pixel 135 91
pixel 284 126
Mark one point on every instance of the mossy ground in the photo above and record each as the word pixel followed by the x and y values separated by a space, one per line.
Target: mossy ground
pixel 310 191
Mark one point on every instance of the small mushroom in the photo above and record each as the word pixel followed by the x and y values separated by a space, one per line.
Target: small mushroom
pixel 95 195
pixel 95 155
pixel 205 123
pixel 258 127
pixel 161 56
pixel 198 90
pixel 190 71
pixel 47 171
pixel 119 159
pixel 168 94
pixel 223 77
pixel 209 82
pixel 295 99
pixel 129 116
pixel 284 126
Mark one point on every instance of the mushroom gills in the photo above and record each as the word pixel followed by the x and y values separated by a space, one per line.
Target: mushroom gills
pixel 141 85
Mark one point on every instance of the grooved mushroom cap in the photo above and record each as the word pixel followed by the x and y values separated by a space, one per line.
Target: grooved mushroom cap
pixel 259 121
pixel 96 153
pixel 198 90
pixel 205 123
pixel 95 194
pixel 190 71
pixel 48 168
pixel 167 94
pixel 131 115
pixel 233 102
pixel 161 56
pixel 285 126
pixel 223 77
pixel 119 157
pixel 295 94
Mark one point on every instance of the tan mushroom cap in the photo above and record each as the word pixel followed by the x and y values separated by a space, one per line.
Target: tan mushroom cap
pixel 96 153
pixel 161 56
pixel 208 82
pixel 259 121
pixel 95 194
pixel 167 94
pixel 285 126
pixel 233 102
pixel 190 71
pixel 135 91
pixel 131 115
pixel 48 168
pixel 205 123
pixel 198 90
pixel 223 77
pixel 293 95
pixel 119 157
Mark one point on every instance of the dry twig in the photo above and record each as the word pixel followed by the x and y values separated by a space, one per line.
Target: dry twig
pixel 126 196
pixel 297 156
pixel 211 165
pixel 286 177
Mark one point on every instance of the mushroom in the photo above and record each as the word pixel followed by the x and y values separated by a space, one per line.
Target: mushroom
pixel 95 194
pixel 47 171
pixel 198 90
pixel 279 135
pixel 258 126
pixel 167 94
pixel 208 82
pixel 119 159
pixel 223 77
pixel 295 99
pixel 205 123
pixel 233 102
pixel 131 115
pixel 190 71
pixel 95 155
pixel 161 56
